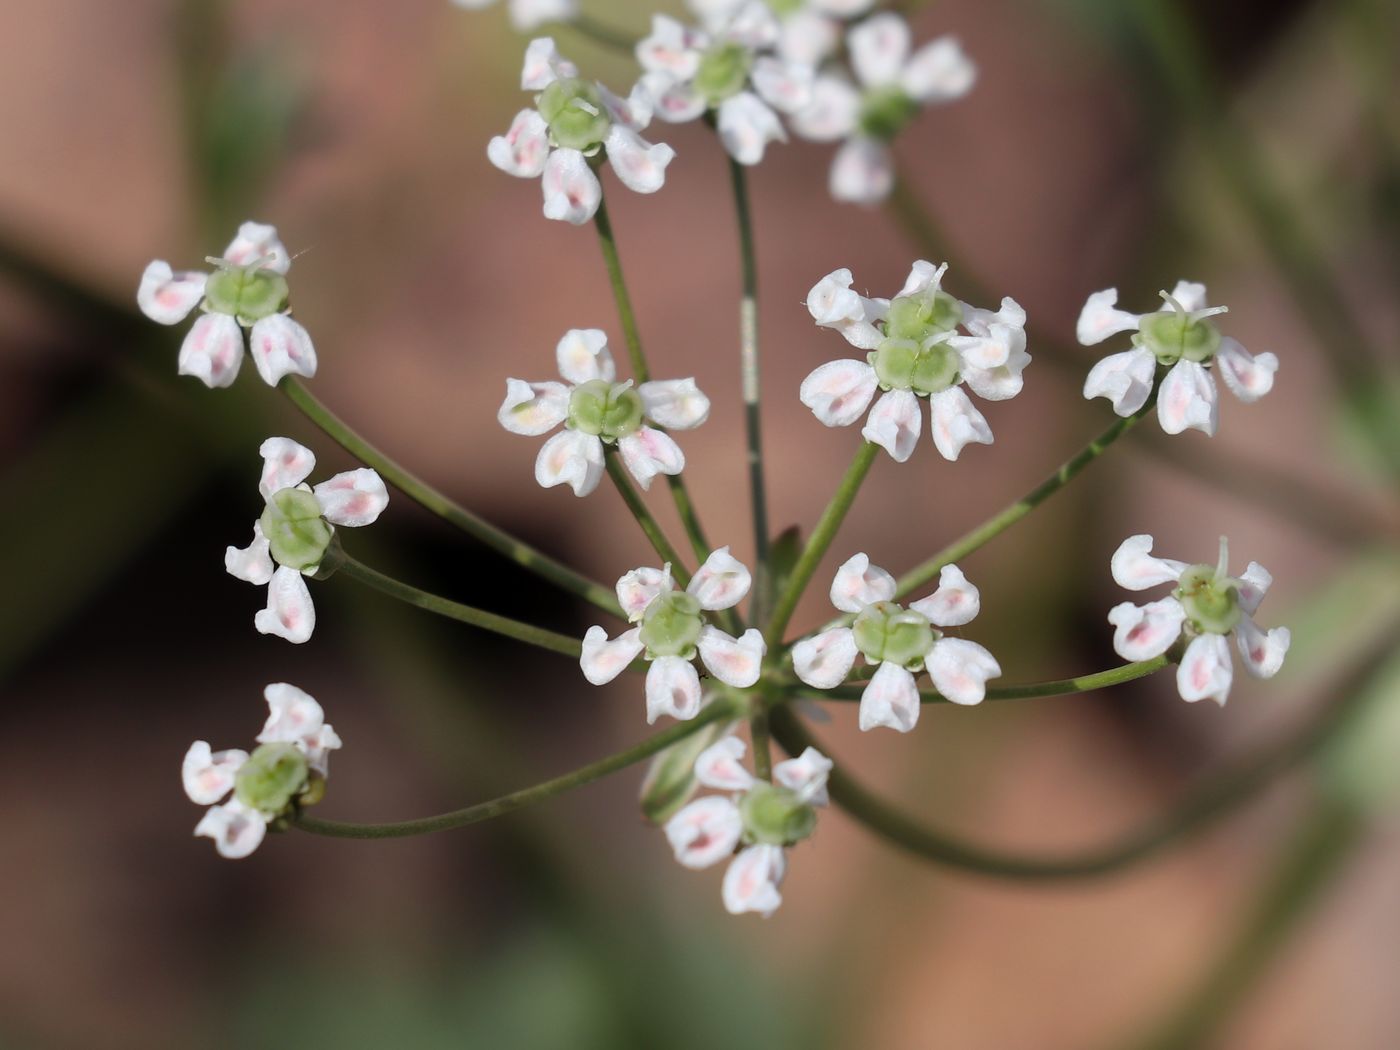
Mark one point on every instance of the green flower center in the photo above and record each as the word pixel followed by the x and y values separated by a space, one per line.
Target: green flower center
pixel 671 625
pixel 885 631
pixel 775 815
pixel 1173 335
pixel 296 533
pixel 919 316
pixel 248 293
pixel 903 364
pixel 272 777
pixel 1211 599
pixel 606 410
pixel 574 110
pixel 723 72
pixel 885 111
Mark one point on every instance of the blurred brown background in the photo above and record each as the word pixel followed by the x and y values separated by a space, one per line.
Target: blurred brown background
pixel 149 129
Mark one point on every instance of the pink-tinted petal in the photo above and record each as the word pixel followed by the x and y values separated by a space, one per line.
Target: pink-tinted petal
pixel 675 403
pixel 523 150
pixel 637 588
pixel 1205 670
pixel 831 113
pixel 1143 632
pixel 289 613
pixel 705 831
pixel 785 86
pixel 632 112
pixel 236 829
pixel 286 464
pixel 878 48
pixel 1101 318
pixel 640 165
pixel 807 38
pixel 673 688
pixel 648 452
pixel 752 880
pixel 257 240
pixel 208 775
pixel 582 355
pixel 603 660
pixel 824 660
pixel 533 408
pixel 1248 377
pixel 1263 652
pixel 671 48
pixel 353 498
pixel 862 172
pixel 955 423
pixel 721 582
pixel 939 72
pixel 891 699
pixel 721 766
pixel 894 424
pixel 253 563
pixel 293 716
pixel 806 775
pixel 213 350
pixel 858 583
pixel 834 304
pixel 989 350
pixel 1135 568
pixel 1125 379
pixel 674 101
pixel 746 125
pixel 734 661
pixel 570 458
pixel 955 603
pixel 1254 583
pixel 1187 399
pixel 281 347
pixel 960 669
pixel 543 65
pixel 167 297
pixel 571 190
pixel 1003 382
pixel 839 392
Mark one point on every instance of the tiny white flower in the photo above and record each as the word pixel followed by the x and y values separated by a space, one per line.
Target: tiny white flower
pixel 673 630
pixel 1183 337
pixel 574 123
pixel 528 15
pixel 1205 607
pixel 900 643
pixel 597 411
pixel 809 31
pixel 292 535
pixel 286 772
pixel 922 343
pixel 248 289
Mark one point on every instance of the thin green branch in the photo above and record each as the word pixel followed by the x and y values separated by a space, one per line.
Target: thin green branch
pixel 454 513
pixel 602 34
pixel 1031 691
pixel 717 709
pixel 630 496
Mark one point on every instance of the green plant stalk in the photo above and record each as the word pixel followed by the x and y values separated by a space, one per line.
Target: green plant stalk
pixel 602 34
pixel 431 499
pixel 487 621
pixel 498 807
pixel 618 472
pixel 1031 691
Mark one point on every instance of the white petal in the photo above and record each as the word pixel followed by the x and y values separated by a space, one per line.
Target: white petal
pixel 833 304
pixel 1263 653
pixel 1100 318
pixel 960 670
pixel 862 172
pixel 858 583
pixel 213 350
pixel 281 347
pixel 675 403
pixel 1125 379
pixel 524 148
pixel 746 126
pixel 352 498
pixel 253 563
pixel 208 776
pixel 570 458
pixel 721 582
pixel 293 716
pixel 839 392
pixel 806 775
pixel 1187 399
pixel 923 275
pixel 955 423
pixel 670 48
pixel 831 113
pixel 1136 569
pixel 533 408
pixel 257 240
pixel 891 699
pixel 894 424
pixel 289 613
pixel 236 829
pixel 705 831
pixel 1191 295
pixel 543 65
pixel 167 297
pixel 673 688
pixel 752 880
pixel 647 452
pixel 786 86
pixel 721 766
pixel 1254 583
pixel 582 355
pixel 639 165
pixel 807 38
pixel 878 48
pixel 528 15
pixel 1248 377
pixel 632 112
pixel 734 661
pixel 956 602
pixel 571 190
pixel 752 25
pixel 939 72
pixel 1003 382
pixel 824 660
pixel 1148 630
pixel 674 101
pixel 1205 670
pixel 603 660
pixel 637 588
pixel 286 464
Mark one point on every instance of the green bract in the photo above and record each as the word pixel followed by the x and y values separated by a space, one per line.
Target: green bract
pixel 574 110
pixel 886 632
pixel 723 71
pixel 671 625
pixel 296 533
pixel 248 293
pixel 1212 601
pixel 272 777
pixel 1173 335
pixel 775 815
pixel 903 364
pixel 606 410
pixel 885 111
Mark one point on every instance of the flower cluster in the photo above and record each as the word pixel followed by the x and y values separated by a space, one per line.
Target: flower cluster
pixel 597 411
pixel 916 350
pixel 291 538
pixel 529 15
pixel 809 31
pixel 766 819
pixel 672 629
pixel 286 771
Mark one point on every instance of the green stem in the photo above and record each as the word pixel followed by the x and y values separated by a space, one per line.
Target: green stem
pixel 1033 690
pixel 523 632
pixel 820 540
pixel 618 472
pixel 717 709
pixel 601 33
pixel 431 499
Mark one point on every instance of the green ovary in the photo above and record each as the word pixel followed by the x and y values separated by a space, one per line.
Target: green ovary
pixel 574 110
pixel 246 293
pixel 606 410
pixel 885 111
pixel 919 316
pixel 296 533
pixel 1212 603
pixel 903 364
pixel 886 632
pixel 723 72
pixel 775 815
pixel 1172 335
pixel 671 625
pixel 272 777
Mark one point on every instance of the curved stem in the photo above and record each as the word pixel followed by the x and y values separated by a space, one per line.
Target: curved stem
pixel 717 709
pixel 1033 690
pixel 820 540
pixel 630 496
pixel 431 499
pixel 487 621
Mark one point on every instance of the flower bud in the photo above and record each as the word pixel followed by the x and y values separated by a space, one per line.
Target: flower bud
pixel 297 535
pixel 672 625
pixel 775 815
pixel 272 777
pixel 885 632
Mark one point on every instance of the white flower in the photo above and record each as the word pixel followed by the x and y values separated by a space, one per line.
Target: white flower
pixel 916 350
pixel 891 86
pixel 291 537
pixel 1207 605
pixel 597 410
pixel 248 289
pixel 282 774
pixel 808 30
pixel 1180 336
pixel 899 642
pixel 559 141
pixel 671 629
pixel 528 15
pixel 690 72
pixel 764 818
